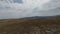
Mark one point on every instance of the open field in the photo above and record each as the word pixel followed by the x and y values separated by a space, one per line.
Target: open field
pixel 30 26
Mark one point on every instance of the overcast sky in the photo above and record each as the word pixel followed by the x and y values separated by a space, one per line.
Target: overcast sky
pixel 28 8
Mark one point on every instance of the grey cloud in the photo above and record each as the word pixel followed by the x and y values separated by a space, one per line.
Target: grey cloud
pixel 18 1
pixel 51 12
pixel 52 4
pixel 49 9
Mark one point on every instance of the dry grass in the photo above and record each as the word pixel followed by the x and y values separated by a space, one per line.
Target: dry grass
pixel 21 26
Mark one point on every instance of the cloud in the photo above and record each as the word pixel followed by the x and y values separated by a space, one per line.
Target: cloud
pixel 28 8
pixel 49 9
pixel 52 4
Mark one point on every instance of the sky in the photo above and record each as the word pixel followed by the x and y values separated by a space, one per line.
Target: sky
pixel 28 8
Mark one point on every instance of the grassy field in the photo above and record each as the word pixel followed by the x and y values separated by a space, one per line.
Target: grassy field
pixel 30 26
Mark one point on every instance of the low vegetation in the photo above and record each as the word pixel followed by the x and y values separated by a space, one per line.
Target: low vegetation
pixel 30 26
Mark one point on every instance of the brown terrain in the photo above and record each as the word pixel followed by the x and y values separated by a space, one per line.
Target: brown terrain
pixel 30 26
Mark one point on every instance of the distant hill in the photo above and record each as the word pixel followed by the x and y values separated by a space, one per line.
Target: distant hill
pixel 42 17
